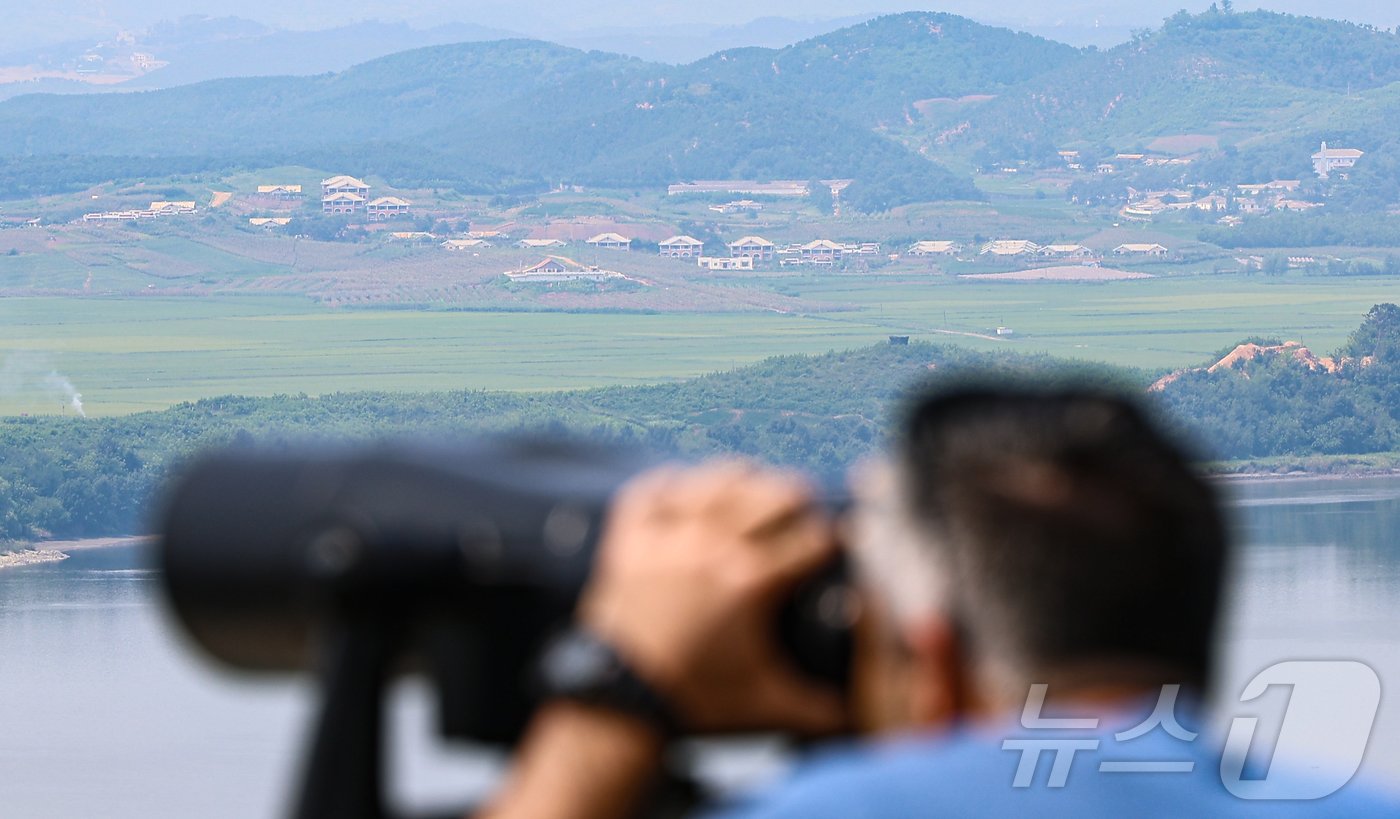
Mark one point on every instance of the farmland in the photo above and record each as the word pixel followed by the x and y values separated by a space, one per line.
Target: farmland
pixel 132 353
pixel 143 316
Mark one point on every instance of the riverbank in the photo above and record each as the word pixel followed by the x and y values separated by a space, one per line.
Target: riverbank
pixel 30 557
pixel 53 551
pixel 1375 465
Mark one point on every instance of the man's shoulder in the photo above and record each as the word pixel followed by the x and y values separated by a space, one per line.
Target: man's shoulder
pixel 970 776
pixel 897 778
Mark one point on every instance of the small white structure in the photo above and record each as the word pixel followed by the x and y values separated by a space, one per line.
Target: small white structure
pixel 611 241
pixel 1153 250
pixel 1328 160
pixel 280 191
pixel 739 206
pixel 726 262
pixel 755 247
pixel 562 269
pixel 386 207
pixel 540 244
pixel 1010 248
pixel 822 253
pixel 682 247
pixel 343 184
pixel 931 248
pixel 1068 251
pixel 171 208
pixel 342 203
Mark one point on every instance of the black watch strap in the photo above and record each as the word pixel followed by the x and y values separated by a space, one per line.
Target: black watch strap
pixel 581 667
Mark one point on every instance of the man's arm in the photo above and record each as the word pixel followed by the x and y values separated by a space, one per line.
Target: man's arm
pixel 689 577
pixel 580 762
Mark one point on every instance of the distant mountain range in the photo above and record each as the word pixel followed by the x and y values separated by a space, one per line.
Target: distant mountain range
pixel 196 48
pixel 875 101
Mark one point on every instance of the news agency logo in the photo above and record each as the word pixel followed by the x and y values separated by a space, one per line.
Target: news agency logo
pixel 1334 698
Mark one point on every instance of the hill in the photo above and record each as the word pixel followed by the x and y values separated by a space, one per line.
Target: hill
pixel 1227 77
pixel 519 114
pixel 877 72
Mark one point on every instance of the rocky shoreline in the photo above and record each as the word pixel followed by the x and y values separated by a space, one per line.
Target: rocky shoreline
pixel 53 551
pixel 31 557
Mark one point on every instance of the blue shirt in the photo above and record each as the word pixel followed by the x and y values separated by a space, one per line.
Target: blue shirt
pixel 970 774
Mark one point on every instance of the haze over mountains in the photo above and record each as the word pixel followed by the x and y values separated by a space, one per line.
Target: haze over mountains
pixel 874 102
pixel 318 35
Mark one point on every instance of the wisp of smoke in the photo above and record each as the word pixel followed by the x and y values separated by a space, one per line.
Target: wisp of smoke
pixel 21 372
pixel 64 386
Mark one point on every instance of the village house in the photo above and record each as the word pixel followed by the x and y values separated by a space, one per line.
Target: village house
pixel 1328 160
pixel 344 184
pixel 741 187
pixel 821 253
pixel 411 235
pixel 1009 248
pixel 464 244
pixel 561 269
pixel 682 247
pixel 740 206
pixel 540 244
pixel 488 235
pixel 1078 253
pixel 270 221
pixel 342 203
pixel 611 241
pixel 280 191
pixel 1276 186
pixel 1252 206
pixel 863 248
pixel 931 248
pixel 755 247
pixel 726 262
pixel 387 207
pixel 171 208
pixel 1152 250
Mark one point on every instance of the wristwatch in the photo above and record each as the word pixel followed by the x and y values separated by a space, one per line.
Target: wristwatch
pixel 581 667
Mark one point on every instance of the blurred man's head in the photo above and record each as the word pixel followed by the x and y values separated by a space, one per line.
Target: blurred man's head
pixel 1046 536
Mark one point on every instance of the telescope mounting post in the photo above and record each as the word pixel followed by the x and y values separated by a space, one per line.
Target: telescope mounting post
pixel 344 775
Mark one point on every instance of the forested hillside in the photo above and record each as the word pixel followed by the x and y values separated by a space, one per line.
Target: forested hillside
pixel 517 115
pixel 1256 78
pixel 1253 93
pixel 71 477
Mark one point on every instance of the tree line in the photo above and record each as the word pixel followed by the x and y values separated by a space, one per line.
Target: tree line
pixel 69 477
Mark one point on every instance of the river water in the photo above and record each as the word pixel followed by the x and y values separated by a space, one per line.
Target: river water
pixel 105 711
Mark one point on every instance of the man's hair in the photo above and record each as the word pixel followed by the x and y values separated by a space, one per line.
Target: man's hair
pixel 1069 528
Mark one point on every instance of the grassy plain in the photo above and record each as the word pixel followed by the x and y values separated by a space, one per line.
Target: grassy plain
pixel 127 354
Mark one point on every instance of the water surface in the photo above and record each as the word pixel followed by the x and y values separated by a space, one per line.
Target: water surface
pixel 105 711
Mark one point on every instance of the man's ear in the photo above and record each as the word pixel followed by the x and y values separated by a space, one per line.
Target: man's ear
pixel 939 673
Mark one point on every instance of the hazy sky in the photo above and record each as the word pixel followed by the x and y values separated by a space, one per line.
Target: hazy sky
pixel 602 13
pixel 33 23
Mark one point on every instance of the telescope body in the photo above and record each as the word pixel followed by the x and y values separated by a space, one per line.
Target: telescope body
pixel 471 555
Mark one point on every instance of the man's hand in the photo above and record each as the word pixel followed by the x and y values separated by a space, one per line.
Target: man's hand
pixel 693 567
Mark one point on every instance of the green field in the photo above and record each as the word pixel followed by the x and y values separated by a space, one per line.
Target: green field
pixel 131 354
